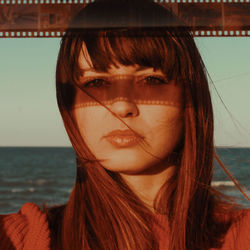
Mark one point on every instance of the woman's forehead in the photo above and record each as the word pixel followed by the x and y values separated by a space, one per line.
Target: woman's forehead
pixel 86 65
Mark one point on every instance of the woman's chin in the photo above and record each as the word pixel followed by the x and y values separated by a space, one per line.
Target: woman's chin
pixel 128 164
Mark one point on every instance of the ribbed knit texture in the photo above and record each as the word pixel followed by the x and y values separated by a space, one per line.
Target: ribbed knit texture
pixel 28 230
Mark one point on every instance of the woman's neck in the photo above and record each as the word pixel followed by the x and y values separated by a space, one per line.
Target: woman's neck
pixel 147 185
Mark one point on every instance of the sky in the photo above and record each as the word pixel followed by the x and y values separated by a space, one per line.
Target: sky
pixel 28 111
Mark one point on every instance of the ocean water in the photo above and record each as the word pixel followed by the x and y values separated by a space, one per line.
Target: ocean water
pixel 46 175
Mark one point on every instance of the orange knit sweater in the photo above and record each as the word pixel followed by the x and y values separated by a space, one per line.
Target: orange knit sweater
pixel 28 230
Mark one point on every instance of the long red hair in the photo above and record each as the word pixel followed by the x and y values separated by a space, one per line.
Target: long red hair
pixel 102 211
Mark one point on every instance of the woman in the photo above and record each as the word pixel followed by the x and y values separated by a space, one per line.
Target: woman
pixel 136 105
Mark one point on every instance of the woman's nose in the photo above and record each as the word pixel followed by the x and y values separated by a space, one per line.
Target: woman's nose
pixel 125 109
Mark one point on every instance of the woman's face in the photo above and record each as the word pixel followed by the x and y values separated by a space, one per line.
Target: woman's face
pixel 159 128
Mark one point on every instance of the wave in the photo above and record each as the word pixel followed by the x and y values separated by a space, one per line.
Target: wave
pixel 223 184
pixel 17 190
pixel 69 190
pixel 20 190
pixel 38 182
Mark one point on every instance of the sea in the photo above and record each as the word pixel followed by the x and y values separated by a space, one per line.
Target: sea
pixel 45 175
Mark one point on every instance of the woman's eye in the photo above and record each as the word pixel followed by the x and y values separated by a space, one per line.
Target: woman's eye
pixel 96 83
pixel 155 80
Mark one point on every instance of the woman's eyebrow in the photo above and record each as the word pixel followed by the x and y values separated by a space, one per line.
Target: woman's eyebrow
pixel 84 70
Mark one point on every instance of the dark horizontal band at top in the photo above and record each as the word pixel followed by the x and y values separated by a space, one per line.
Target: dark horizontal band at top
pixel 51 20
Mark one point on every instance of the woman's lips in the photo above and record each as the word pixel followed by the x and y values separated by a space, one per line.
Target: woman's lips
pixel 123 138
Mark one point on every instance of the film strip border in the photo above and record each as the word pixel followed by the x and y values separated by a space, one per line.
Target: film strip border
pixel 47 19
pixel 13 2
pixel 22 2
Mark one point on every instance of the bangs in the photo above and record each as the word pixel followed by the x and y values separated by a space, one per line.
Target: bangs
pixel 126 47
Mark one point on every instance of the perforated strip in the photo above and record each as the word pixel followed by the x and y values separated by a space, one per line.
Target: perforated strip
pixel 5 2
pixel 39 2
pixel 30 34
pixel 58 34
pixel 201 1
pixel 221 33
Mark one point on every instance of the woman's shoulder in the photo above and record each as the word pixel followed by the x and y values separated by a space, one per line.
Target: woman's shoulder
pixel 27 229
pixel 238 236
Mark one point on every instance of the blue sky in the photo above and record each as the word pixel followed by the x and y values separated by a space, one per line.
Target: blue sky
pixel 28 109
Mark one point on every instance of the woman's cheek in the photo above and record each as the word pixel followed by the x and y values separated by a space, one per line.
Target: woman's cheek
pixel 165 128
